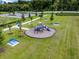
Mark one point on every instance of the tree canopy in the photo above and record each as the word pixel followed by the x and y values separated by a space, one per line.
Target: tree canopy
pixel 42 5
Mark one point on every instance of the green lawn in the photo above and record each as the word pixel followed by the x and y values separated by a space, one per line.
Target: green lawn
pixel 3 12
pixel 63 45
pixel 12 21
pixel 5 20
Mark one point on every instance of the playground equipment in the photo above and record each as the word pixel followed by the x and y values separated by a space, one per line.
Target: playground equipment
pixel 40 31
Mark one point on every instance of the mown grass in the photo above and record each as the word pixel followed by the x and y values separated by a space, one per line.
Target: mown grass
pixel 5 20
pixel 68 14
pixel 63 45
pixel 3 12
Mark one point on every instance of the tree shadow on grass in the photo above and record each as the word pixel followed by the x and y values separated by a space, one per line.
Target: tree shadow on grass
pixel 21 34
pixel 2 49
pixel 10 33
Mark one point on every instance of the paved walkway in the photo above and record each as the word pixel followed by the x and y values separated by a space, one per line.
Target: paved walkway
pixel 17 15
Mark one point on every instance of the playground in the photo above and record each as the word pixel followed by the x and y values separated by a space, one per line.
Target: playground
pixel 40 31
pixel 61 41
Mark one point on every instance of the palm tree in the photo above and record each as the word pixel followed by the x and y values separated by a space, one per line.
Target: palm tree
pixel 51 18
pixel 19 25
pixel 30 19
pixel 23 17
pixel 36 14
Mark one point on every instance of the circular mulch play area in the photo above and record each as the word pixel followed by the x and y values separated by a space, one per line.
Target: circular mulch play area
pixel 43 34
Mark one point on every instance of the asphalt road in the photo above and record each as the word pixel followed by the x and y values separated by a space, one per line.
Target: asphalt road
pixel 17 15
